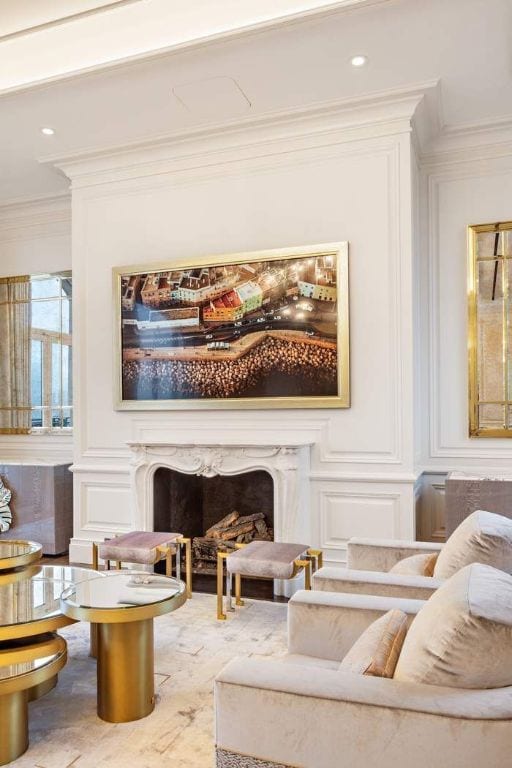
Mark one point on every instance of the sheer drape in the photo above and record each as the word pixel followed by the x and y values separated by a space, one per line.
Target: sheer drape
pixel 15 413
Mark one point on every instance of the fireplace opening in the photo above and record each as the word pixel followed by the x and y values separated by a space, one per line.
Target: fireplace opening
pixel 216 513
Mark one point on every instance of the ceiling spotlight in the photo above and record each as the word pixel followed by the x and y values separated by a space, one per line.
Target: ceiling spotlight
pixel 48 131
pixel 358 61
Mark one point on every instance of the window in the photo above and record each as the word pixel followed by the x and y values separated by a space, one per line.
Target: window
pixel 490 330
pixel 50 352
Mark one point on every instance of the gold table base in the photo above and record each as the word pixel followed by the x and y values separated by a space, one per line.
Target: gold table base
pixel 13 726
pixel 126 688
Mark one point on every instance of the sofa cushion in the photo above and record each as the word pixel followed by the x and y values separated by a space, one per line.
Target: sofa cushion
pixel 462 637
pixel 416 565
pixel 483 537
pixel 377 650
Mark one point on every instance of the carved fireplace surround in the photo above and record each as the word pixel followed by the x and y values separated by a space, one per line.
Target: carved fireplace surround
pixel 288 465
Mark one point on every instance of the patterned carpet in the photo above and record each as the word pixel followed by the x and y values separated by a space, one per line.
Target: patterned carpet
pixel 190 648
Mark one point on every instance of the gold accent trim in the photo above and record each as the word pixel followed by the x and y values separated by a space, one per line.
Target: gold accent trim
pixel 474 401
pixel 221 556
pixel 339 250
pixel 17 561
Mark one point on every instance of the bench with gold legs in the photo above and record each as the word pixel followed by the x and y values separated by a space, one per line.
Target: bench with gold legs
pixel 146 548
pixel 263 560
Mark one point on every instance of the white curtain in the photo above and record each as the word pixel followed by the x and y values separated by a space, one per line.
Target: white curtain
pixel 15 413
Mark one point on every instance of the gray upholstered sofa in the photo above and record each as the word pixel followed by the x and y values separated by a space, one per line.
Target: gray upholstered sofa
pixel 304 711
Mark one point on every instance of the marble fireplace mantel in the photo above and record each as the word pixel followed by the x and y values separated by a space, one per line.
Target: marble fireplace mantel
pixel 288 465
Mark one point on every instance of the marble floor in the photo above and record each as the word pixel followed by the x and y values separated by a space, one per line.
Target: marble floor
pixel 190 648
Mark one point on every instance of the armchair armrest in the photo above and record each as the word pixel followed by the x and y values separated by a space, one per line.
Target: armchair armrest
pixel 326 624
pixel 383 554
pixel 330 579
pixel 296 715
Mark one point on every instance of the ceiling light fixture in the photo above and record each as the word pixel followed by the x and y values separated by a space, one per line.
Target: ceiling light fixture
pixel 359 60
pixel 48 131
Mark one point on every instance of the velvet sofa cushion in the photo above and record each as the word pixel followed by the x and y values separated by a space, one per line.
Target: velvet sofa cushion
pixel 377 650
pixel 462 637
pixel 416 565
pixel 483 537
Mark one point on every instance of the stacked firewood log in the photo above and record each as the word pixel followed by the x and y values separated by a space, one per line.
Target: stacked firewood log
pixel 231 530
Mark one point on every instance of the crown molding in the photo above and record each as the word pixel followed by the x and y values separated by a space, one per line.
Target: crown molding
pixel 374 115
pixel 476 142
pixel 239 33
pixel 45 216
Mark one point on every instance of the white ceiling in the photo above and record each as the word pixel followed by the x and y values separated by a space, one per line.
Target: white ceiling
pixel 466 44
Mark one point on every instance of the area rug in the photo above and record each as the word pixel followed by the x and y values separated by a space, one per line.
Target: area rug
pixel 191 646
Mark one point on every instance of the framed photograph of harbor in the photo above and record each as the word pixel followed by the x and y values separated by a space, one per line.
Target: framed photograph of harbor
pixel 247 330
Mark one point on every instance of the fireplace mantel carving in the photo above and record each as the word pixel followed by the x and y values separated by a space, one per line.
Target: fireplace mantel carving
pixel 288 466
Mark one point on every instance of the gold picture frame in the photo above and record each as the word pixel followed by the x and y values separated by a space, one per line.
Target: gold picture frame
pixel 270 332
pixel 490 329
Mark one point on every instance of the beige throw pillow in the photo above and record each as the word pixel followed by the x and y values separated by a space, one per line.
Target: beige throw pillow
pixel 483 537
pixel 377 650
pixel 462 637
pixel 416 565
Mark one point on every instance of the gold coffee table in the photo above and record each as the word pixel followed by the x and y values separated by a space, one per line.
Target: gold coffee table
pixel 123 607
pixel 17 554
pixel 23 667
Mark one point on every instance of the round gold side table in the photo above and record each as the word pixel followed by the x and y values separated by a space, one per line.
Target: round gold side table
pixel 123 606
pixel 17 554
pixel 24 666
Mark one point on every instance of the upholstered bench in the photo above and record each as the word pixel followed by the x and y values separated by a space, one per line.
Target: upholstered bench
pixel 146 548
pixel 263 560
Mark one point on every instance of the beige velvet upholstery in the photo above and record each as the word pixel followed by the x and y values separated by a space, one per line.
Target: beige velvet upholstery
pixel 416 565
pixel 305 714
pixel 331 579
pixel 376 651
pixel 137 547
pixel 482 537
pixel 462 637
pixel 267 559
pixel 326 624
pixel 382 554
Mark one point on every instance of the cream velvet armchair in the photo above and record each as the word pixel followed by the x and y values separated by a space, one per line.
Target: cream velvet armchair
pixel 368 564
pixel 300 711
pixel 483 537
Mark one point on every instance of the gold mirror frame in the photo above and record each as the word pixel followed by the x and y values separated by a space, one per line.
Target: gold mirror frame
pixel 341 400
pixel 499 253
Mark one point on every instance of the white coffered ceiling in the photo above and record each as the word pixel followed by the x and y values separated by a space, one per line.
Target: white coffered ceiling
pixel 465 44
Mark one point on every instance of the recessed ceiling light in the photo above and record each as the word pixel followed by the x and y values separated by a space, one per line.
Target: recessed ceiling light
pixel 48 131
pixel 359 60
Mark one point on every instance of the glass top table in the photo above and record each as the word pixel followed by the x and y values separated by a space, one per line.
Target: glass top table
pixel 31 606
pixel 122 606
pixel 14 553
pixel 120 596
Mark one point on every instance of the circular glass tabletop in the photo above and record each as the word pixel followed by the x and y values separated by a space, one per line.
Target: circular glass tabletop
pixel 31 606
pixel 23 665
pixel 137 594
pixel 14 553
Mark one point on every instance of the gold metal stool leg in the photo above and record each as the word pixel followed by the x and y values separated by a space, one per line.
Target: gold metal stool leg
pixel 118 565
pixel 13 726
pixel 221 556
pixel 306 564
pixel 317 555
pixel 238 589
pixel 94 556
pixel 188 565
pixel 126 689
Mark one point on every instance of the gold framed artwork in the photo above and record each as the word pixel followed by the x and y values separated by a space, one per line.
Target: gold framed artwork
pixel 490 329
pixel 248 330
